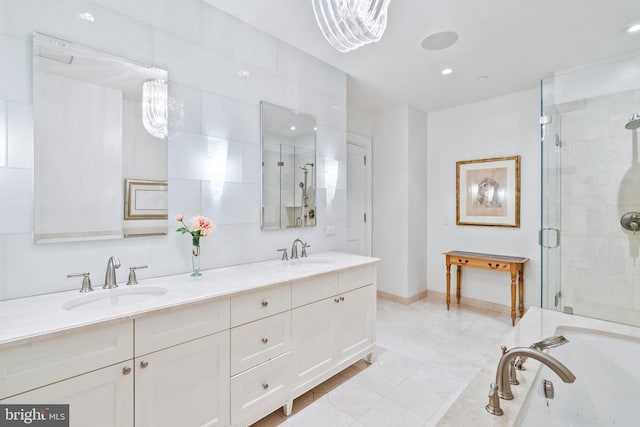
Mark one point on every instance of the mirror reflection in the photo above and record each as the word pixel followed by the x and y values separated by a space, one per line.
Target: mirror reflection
pixel 288 168
pixel 100 144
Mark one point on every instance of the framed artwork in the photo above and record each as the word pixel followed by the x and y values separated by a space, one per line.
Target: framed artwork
pixel 488 192
pixel 146 199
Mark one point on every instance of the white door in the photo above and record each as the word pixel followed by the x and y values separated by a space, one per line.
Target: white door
pixel 358 198
pixel 102 398
pixel 186 385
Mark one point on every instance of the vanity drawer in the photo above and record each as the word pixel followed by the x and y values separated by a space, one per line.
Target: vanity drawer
pixel 39 362
pixel 356 277
pixel 260 303
pixel 260 341
pixel 261 390
pixel 156 331
pixel 313 289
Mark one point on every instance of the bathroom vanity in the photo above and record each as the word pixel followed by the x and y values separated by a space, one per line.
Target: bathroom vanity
pixel 223 349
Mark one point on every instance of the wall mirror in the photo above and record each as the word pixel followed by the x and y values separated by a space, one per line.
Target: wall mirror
pixel 288 168
pixel 100 144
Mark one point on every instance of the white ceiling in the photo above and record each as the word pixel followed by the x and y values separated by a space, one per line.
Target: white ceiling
pixel 513 42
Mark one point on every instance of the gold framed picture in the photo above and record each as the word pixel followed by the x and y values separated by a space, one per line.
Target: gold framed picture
pixel 488 192
pixel 146 199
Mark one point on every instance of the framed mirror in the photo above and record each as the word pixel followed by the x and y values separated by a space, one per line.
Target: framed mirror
pixel 288 168
pixel 100 124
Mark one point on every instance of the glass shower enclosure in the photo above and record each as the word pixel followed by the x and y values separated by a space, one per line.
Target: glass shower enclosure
pixel 591 191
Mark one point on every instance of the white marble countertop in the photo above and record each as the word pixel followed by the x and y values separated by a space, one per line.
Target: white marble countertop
pixel 32 317
pixel 537 324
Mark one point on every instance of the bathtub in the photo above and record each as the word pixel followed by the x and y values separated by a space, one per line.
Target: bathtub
pixel 607 387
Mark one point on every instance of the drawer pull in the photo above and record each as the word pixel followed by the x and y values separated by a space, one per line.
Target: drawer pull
pixel 265 386
pixel 494 266
pixel 463 262
pixel 264 340
pixel 264 303
pixel 126 370
pixel 144 364
pixel 336 299
pixel 341 298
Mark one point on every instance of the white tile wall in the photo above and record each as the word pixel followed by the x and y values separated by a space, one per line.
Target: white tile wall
pixel 600 171
pixel 203 49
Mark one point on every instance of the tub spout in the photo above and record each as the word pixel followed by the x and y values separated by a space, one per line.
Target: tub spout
pixel 502 373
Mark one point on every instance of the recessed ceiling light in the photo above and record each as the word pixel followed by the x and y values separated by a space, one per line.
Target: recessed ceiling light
pixel 86 16
pixel 446 71
pixel 438 41
pixel 335 107
pixel 634 28
pixel 292 128
pixel 483 78
pixel 243 72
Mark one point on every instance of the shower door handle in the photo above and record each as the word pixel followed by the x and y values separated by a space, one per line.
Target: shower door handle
pixel 544 242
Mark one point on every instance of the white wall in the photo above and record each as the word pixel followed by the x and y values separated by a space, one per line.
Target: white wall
pixel 497 127
pixel 203 51
pixel 399 200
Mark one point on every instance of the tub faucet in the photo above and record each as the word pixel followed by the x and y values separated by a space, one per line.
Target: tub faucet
pixel 545 344
pixel 502 386
pixel 110 281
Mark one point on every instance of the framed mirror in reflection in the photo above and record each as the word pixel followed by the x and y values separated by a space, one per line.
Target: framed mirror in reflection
pixel 100 121
pixel 288 168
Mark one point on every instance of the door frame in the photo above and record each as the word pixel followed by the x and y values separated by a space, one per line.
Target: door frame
pixel 366 143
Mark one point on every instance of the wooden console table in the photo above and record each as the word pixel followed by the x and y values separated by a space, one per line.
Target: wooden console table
pixel 511 264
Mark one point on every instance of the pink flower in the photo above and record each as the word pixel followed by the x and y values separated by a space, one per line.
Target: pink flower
pixel 202 224
pixel 179 218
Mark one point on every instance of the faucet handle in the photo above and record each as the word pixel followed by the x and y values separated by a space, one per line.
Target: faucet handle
pixel 494 401
pixel 304 249
pixel 133 280
pixel 86 282
pixel 285 257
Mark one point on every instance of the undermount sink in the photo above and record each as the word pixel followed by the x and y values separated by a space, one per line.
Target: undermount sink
pixel 113 298
pixel 313 260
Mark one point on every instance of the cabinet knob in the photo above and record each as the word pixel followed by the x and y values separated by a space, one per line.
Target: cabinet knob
pixel 126 370
pixel 336 299
pixel 264 303
pixel 264 340
pixel 494 266
pixel 265 386
pixel 144 364
pixel 341 298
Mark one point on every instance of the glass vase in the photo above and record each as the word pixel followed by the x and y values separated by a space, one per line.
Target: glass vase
pixel 195 261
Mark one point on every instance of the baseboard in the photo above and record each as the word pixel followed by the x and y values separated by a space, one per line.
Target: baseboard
pixel 472 302
pixel 402 300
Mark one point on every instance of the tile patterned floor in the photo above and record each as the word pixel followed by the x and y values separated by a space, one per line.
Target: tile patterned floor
pixel 425 356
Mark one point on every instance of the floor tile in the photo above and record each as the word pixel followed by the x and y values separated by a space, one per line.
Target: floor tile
pixel 387 414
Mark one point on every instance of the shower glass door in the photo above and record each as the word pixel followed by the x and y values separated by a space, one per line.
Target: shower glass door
pixel 550 146
pixel 590 176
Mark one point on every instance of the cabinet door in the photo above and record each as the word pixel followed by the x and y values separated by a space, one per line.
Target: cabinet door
pixel 102 398
pixel 355 324
pixel 313 329
pixel 185 385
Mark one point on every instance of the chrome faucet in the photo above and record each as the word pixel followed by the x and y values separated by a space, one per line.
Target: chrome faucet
pixel 501 389
pixel 110 281
pixel 294 249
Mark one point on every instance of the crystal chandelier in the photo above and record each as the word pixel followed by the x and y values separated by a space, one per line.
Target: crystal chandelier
pixel 349 24
pixel 154 107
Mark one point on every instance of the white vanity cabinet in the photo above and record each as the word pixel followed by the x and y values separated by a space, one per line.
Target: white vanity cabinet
pixel 333 324
pixel 260 353
pixel 102 398
pixel 90 369
pixel 182 366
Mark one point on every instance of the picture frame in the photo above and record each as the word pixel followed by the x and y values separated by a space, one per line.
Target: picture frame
pixel 146 199
pixel 488 192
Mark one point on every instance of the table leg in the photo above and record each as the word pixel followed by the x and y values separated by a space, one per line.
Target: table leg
pixel 448 284
pixel 520 290
pixel 458 280
pixel 513 296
